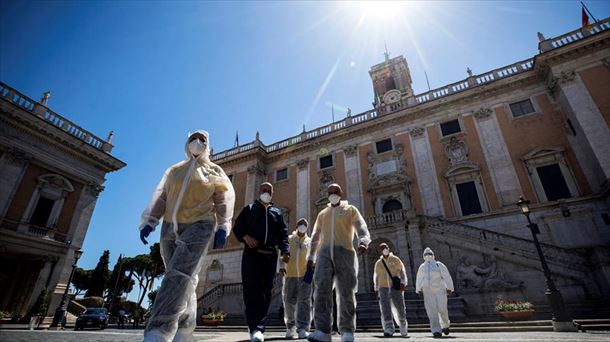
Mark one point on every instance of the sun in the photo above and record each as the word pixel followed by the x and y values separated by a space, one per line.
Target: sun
pixel 381 9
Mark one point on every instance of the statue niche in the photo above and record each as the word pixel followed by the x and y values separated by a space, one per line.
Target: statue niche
pixel 482 278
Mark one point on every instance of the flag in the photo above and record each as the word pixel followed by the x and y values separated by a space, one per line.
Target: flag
pixel 236 139
pixel 585 17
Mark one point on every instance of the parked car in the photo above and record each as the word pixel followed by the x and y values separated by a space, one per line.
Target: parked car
pixel 92 318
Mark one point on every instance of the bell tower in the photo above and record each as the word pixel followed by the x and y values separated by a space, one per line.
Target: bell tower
pixel 392 84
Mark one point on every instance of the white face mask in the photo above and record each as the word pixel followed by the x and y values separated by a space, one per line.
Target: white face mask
pixel 197 147
pixel 301 228
pixel 385 252
pixel 334 199
pixel 428 257
pixel 265 197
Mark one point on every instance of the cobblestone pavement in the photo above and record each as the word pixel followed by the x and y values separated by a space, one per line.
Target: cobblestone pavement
pixel 112 335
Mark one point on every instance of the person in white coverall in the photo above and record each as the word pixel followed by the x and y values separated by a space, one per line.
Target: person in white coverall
pixel 195 199
pixel 435 283
pixel 332 250
pixel 390 280
pixel 296 291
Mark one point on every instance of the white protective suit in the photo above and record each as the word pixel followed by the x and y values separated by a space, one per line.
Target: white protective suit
pixel 194 198
pixel 333 251
pixel 433 279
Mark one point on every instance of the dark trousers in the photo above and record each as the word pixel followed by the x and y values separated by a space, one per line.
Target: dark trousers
pixel 257 273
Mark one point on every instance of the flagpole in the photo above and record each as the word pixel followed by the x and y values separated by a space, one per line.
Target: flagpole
pixel 586 9
pixel 333 112
pixel 425 73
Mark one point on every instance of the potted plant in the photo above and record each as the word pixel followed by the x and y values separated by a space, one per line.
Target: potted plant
pixel 514 310
pixel 214 318
pixel 6 317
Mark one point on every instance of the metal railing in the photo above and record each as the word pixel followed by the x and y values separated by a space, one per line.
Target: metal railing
pixel 24 102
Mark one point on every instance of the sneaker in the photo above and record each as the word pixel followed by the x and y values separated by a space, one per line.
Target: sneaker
pixel 319 336
pixel 446 331
pixel 303 334
pixel 437 335
pixel 291 333
pixel 403 331
pixel 257 336
pixel 388 332
pixel 347 337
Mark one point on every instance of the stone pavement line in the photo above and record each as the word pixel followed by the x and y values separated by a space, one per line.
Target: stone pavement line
pixel 232 336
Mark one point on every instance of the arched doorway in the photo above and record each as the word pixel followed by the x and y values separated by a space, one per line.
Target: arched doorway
pixel 391 205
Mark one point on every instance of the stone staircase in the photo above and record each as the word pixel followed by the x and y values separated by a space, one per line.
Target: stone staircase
pixel 368 314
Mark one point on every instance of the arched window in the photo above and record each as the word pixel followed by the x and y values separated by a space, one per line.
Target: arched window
pixel 391 205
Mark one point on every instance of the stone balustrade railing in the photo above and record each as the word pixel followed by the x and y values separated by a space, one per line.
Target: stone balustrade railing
pixel 570 37
pixel 16 98
pixel 557 255
pixel 434 94
pixel 210 298
pixel 384 219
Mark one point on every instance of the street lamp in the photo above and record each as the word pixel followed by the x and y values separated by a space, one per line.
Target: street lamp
pixel 561 320
pixel 60 312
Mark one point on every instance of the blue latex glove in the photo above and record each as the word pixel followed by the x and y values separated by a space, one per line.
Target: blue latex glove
pixel 144 232
pixel 220 238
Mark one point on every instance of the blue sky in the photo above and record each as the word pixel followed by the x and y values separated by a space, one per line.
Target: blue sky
pixel 152 71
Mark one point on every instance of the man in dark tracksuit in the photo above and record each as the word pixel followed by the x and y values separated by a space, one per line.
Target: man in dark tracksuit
pixel 261 228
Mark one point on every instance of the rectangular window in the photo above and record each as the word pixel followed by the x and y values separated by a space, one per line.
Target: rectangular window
pixel 326 161
pixel 469 199
pixel 384 145
pixel 230 178
pixel 521 108
pixel 41 213
pixel 281 175
pixel 450 127
pixel 555 186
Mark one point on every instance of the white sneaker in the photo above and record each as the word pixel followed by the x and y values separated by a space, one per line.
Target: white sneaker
pixel 347 337
pixel 303 334
pixel 319 336
pixel 291 333
pixel 257 336
pixel 403 331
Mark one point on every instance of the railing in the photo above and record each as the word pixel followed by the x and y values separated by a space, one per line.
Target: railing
pixel 380 220
pixel 434 94
pixel 16 98
pixel 210 298
pixel 575 35
pixel 557 255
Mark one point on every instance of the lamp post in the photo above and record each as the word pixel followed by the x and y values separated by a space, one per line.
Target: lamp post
pixel 60 312
pixel 561 319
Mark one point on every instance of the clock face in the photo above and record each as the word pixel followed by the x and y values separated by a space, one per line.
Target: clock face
pixel 392 96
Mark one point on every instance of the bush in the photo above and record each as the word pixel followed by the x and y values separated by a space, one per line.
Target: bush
pixel 512 305
pixel 215 316
pixel 5 315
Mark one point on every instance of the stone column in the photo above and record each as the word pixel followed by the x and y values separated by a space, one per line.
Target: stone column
pixel 353 177
pixel 426 173
pixel 13 165
pixel 501 168
pixel 255 178
pixel 594 140
pixel 82 215
pixel 302 205
pixel 416 250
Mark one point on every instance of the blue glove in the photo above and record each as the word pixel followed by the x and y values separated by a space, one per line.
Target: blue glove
pixel 144 232
pixel 220 238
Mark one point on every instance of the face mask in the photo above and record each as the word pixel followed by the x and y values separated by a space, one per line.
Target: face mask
pixel 302 228
pixel 265 197
pixel 334 199
pixel 197 147
pixel 385 252
pixel 428 257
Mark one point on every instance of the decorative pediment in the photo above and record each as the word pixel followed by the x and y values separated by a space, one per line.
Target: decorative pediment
pixel 544 155
pixel 51 180
pixel 464 171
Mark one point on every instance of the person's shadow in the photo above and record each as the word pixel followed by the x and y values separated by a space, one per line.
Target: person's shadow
pixel 275 338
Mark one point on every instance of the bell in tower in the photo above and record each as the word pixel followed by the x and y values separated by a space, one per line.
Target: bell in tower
pixel 392 84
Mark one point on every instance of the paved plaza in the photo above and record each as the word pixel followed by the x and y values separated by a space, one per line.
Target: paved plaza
pixel 112 335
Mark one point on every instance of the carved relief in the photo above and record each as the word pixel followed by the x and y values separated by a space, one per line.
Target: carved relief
pixel 483 113
pixel 351 150
pixel 417 132
pixel 456 150
pixel 17 157
pixel 485 277
pixel 302 164
pixel 94 189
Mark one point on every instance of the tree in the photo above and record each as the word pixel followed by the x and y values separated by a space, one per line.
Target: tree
pixel 146 268
pixel 99 277
pixel 152 295
pixel 81 280
pixel 119 283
